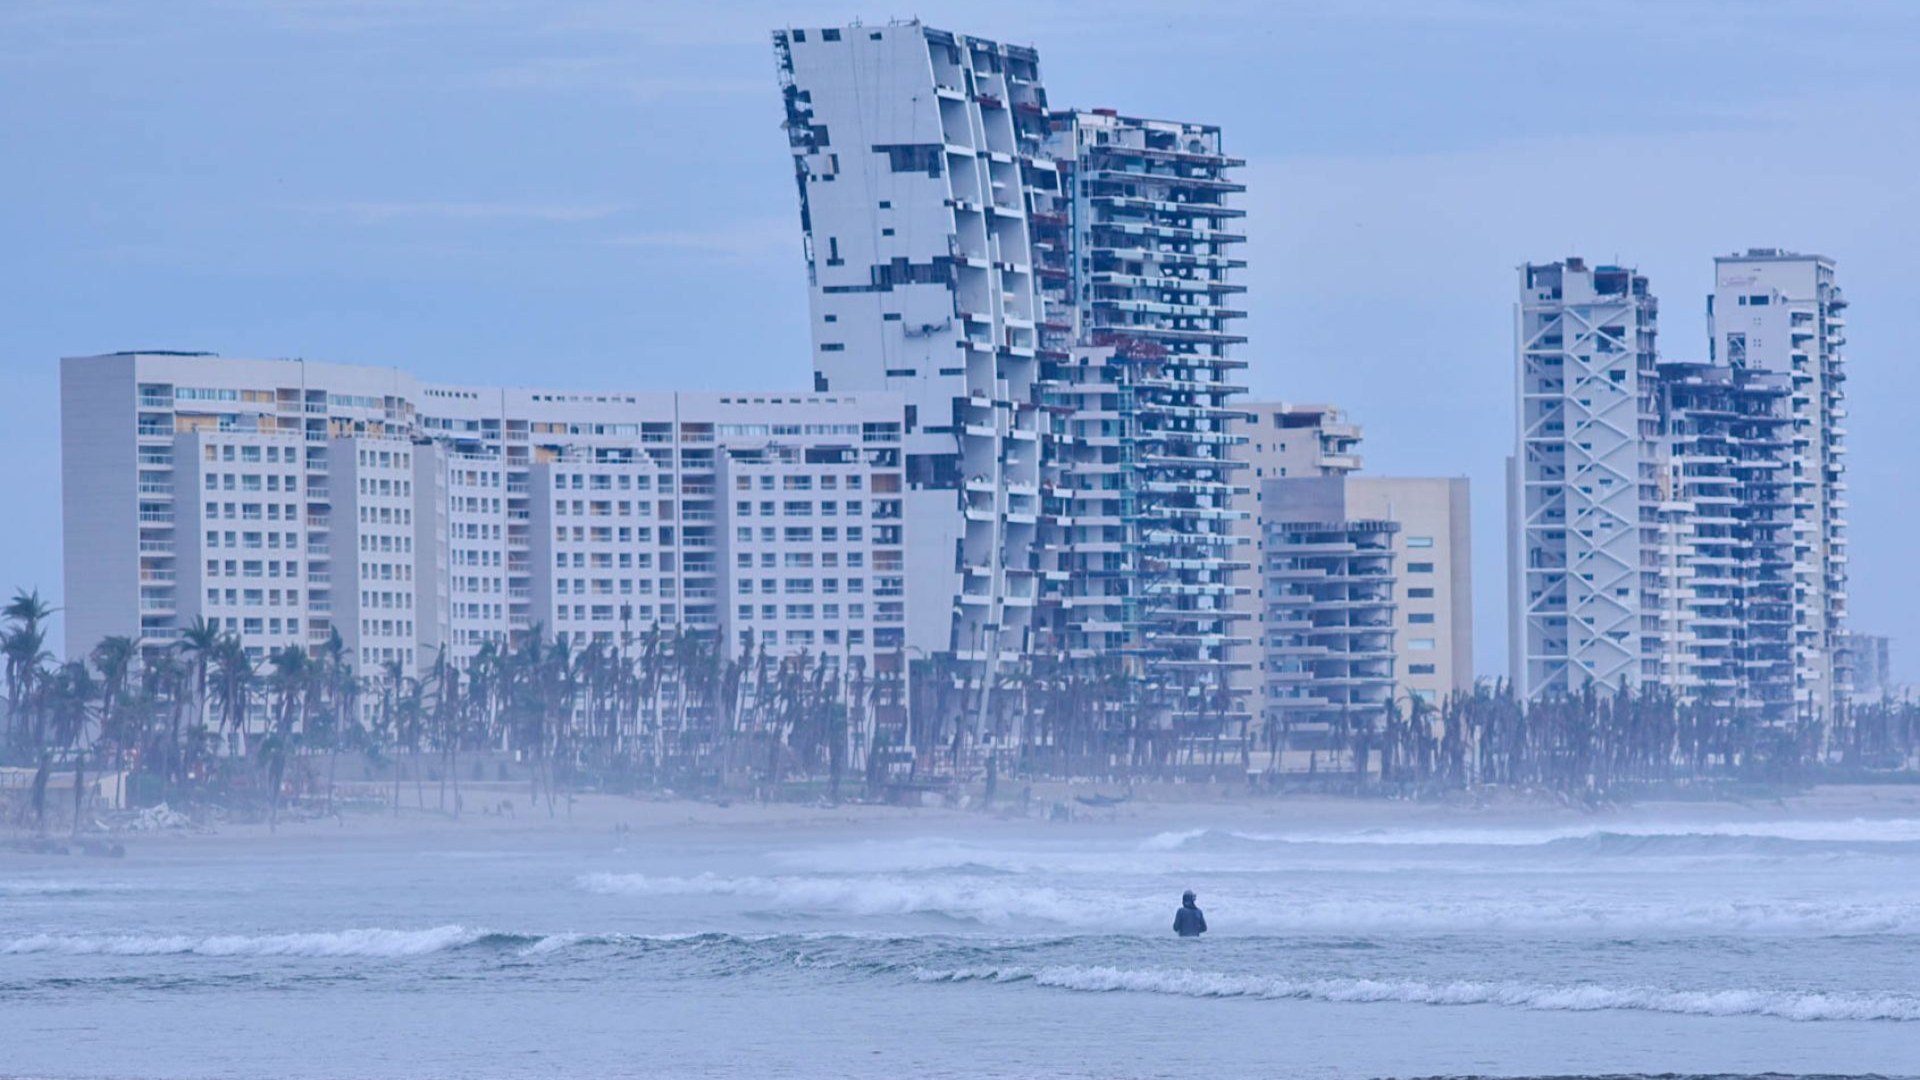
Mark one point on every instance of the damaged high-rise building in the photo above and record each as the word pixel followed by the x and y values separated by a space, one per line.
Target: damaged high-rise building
pixel 1682 524
pixel 1053 292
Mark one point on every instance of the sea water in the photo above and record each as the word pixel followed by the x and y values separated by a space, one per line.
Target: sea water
pixel 947 948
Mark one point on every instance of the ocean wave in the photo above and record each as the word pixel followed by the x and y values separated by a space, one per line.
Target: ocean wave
pixel 989 901
pixel 1785 1005
pixel 998 901
pixel 361 942
pixel 1174 841
pixel 1627 837
pixel 29 889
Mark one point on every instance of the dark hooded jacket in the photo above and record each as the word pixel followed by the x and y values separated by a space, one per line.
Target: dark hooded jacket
pixel 1188 922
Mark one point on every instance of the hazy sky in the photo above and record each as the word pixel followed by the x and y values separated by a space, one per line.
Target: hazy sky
pixel 598 193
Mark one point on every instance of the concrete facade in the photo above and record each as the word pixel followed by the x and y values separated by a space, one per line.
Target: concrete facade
pixel 1783 313
pixel 286 500
pixel 1331 612
pixel 1052 291
pixel 1682 524
pixel 911 148
pixel 1433 618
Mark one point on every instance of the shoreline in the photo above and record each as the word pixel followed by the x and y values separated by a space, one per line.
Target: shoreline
pixel 1150 809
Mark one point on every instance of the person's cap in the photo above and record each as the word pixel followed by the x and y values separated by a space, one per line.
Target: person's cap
pixel 1188 895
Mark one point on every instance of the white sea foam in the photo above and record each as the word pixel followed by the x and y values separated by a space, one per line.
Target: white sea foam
pixel 1570 998
pixel 32 888
pixel 1296 908
pixel 364 942
pixel 1173 841
pixel 1849 831
pixel 990 901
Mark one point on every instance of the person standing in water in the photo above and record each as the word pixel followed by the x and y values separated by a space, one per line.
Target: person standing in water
pixel 1188 921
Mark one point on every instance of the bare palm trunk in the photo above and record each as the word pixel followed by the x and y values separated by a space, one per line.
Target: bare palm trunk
pixel 79 772
pixel 453 770
pixel 40 776
pixel 275 771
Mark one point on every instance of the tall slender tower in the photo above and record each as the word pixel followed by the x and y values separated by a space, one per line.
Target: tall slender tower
pixel 1780 312
pixel 1137 249
pixel 1583 498
pixel 911 150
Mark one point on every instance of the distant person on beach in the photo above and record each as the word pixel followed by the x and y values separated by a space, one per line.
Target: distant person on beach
pixel 1188 921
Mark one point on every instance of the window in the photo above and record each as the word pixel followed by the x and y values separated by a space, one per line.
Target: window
pixel 1419 541
pixel 1420 644
pixel 1419 568
pixel 1420 593
pixel 1419 669
pixel 1421 618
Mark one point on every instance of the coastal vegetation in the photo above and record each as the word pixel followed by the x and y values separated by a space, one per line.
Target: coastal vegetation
pixel 206 718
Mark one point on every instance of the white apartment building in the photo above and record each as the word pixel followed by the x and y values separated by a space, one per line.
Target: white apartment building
pixel 1433 548
pixel 910 150
pixel 285 500
pixel 1583 483
pixel 239 554
pixel 1781 312
pixel 187 477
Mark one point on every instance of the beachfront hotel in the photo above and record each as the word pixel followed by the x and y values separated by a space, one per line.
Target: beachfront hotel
pixel 286 500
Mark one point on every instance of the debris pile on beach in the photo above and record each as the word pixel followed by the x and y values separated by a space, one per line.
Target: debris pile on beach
pixel 157 818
